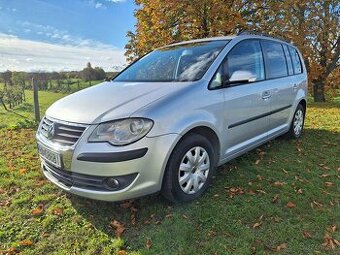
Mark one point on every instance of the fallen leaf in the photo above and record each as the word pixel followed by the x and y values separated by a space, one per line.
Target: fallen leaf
pixel 57 211
pixel 257 162
pixel 329 184
pixel 284 171
pixel 118 227
pixel 306 234
pixel 39 210
pixel 279 184
pixel 45 235
pixel 148 243
pixel 169 215
pixel 211 233
pixel 184 216
pixel 257 224
pixel 26 242
pixel 275 198
pixel 299 191
pixel 126 204
pixel 22 171
pixel 281 247
pixel 291 205
pixel 324 175
pixel 329 242
pixel 233 191
pixel 122 252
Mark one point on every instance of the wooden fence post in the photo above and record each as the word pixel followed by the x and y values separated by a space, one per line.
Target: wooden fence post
pixel 36 101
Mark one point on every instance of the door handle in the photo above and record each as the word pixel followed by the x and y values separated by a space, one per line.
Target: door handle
pixel 266 95
pixel 295 86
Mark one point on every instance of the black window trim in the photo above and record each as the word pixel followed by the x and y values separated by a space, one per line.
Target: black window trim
pixel 285 46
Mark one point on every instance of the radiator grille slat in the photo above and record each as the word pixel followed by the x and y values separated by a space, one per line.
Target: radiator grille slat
pixel 61 133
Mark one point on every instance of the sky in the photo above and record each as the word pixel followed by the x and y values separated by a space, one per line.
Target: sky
pixel 63 35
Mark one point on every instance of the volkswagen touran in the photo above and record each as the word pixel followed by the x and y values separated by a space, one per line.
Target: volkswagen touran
pixel 170 118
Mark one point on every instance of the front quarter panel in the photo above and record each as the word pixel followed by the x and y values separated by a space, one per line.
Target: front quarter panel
pixel 186 109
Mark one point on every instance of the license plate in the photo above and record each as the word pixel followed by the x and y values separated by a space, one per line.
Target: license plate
pixel 49 155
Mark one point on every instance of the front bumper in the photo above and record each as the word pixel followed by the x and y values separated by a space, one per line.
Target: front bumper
pixel 88 166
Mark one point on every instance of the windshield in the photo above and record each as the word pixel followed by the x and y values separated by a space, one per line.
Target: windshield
pixel 186 62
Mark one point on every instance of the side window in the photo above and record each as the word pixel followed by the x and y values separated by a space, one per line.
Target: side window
pixel 289 60
pixel 296 61
pixel 275 59
pixel 245 56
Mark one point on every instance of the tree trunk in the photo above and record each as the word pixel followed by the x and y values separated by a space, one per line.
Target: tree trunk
pixel 319 91
pixel 3 104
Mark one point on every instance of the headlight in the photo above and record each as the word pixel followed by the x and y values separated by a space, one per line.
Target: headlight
pixel 121 132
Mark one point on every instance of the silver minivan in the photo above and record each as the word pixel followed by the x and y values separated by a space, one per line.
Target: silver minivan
pixel 169 119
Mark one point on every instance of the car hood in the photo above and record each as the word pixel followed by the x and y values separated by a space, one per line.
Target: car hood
pixel 109 101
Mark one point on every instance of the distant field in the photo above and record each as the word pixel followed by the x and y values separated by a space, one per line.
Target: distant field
pixel 25 111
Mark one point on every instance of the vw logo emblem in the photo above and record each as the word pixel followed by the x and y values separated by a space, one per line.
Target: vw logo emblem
pixel 50 131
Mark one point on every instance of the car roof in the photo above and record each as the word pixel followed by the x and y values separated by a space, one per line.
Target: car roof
pixel 230 37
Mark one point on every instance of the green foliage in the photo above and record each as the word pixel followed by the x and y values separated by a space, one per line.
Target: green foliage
pixel 90 74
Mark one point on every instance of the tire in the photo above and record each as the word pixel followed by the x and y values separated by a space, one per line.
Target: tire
pixel 183 166
pixel 296 127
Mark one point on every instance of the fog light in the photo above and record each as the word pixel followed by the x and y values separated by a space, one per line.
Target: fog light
pixel 112 183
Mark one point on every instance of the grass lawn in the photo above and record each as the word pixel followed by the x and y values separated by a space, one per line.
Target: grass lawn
pixel 281 198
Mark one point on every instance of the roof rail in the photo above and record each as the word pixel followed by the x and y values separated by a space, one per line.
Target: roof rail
pixel 247 32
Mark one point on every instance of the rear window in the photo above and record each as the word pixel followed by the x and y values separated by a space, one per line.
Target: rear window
pixel 275 60
pixel 296 60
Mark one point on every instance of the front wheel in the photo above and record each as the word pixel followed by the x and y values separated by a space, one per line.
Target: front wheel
pixel 296 126
pixel 189 170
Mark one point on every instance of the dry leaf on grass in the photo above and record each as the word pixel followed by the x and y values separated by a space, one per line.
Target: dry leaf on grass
pixel 329 184
pixel 57 211
pixel 118 227
pixel 275 198
pixel 281 247
pixel 279 184
pixel 26 242
pixel 126 204
pixel 306 234
pixel 39 210
pixel 148 243
pixel 290 205
pixel 22 171
pixel 257 224
pixel 122 252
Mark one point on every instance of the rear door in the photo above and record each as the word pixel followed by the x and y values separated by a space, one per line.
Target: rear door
pixel 246 104
pixel 279 83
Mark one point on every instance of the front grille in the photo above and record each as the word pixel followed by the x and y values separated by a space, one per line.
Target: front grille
pixel 61 133
pixel 85 181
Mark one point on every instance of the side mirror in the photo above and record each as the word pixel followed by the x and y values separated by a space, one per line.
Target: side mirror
pixel 241 77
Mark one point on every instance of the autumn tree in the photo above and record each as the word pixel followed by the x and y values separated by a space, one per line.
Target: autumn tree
pixel 311 25
pixel 163 22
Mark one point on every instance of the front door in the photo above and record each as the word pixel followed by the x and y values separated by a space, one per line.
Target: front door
pixel 246 103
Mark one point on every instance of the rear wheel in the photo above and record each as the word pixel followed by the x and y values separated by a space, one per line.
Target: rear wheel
pixel 296 126
pixel 189 170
